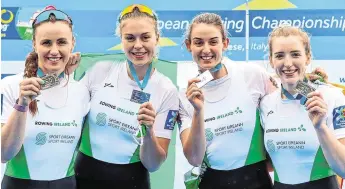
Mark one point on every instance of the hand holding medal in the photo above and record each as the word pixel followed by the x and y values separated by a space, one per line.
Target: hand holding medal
pixel 312 100
pixel 29 90
pixel 317 108
pixel 315 105
pixel 194 92
pixel 146 115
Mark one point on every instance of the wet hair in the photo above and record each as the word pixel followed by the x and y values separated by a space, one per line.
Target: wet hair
pixel 207 18
pixel 31 61
pixel 285 31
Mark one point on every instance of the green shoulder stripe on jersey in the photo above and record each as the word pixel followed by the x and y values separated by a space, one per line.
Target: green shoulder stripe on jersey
pixel 257 150
pixel 18 167
pixel 206 161
pixel 85 145
pixel 320 168
pixel 70 171
pixel 276 177
pixel 136 156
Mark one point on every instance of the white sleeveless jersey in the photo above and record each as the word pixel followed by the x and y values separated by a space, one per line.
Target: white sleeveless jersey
pixel 232 128
pixel 290 137
pixel 112 121
pixel 52 134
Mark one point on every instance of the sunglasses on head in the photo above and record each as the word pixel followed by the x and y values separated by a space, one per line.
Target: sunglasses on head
pixel 46 15
pixel 142 8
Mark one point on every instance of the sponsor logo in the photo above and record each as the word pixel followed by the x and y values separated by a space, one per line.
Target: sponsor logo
pixel 269 113
pixel 101 119
pixel 108 85
pixel 7 20
pixel 41 138
pixel 17 22
pixel 208 134
pixel 270 146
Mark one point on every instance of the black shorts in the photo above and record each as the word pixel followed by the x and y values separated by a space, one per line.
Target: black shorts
pixel 325 183
pixel 92 174
pixel 16 183
pixel 253 176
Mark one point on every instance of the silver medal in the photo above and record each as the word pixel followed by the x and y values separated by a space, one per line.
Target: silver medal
pixel 304 88
pixel 50 80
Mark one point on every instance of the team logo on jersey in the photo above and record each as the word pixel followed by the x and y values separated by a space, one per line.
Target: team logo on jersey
pixel 339 117
pixel 74 124
pixel 293 129
pixel 41 138
pixel 171 119
pixel 270 146
pixel 208 134
pixel 231 113
pixel 44 123
pixel 210 119
pixel 107 105
pixel 238 110
pixel 301 128
pixel 57 124
pixel 276 130
pixel 101 119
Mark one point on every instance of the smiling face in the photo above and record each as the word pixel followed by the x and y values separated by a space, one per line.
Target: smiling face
pixel 54 43
pixel 289 55
pixel 206 45
pixel 206 40
pixel 289 59
pixel 139 39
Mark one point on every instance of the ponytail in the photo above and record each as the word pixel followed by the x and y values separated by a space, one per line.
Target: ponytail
pixel 31 66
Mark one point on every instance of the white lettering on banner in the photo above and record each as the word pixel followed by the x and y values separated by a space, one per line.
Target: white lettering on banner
pixel 177 24
pixel 234 25
pixel 262 22
pixel 260 47
pixel 4 27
